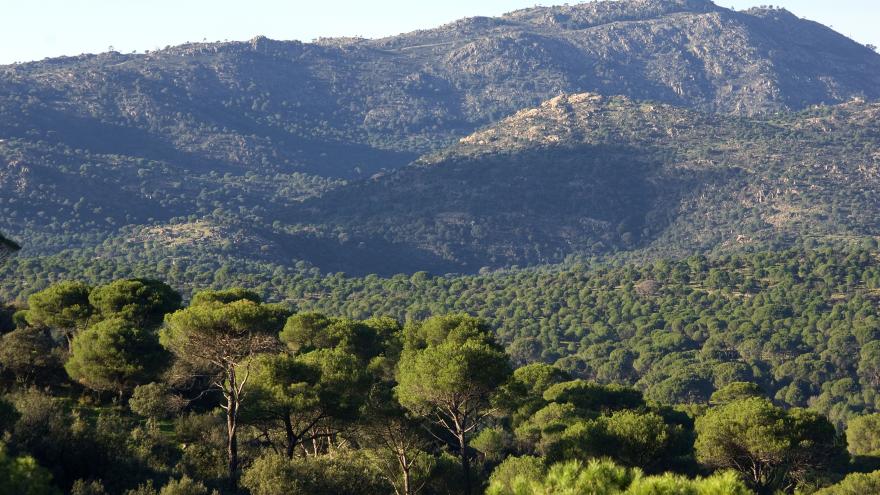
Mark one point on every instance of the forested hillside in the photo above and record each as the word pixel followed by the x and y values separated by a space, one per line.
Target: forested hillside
pixel 224 140
pixel 580 175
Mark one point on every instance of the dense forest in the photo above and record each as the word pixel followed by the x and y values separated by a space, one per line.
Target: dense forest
pixel 751 373
pixel 787 319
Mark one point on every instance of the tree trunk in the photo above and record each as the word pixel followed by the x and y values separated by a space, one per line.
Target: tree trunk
pixel 68 336
pixel 406 489
pixel 232 429
pixel 404 468
pixel 291 436
pixel 465 463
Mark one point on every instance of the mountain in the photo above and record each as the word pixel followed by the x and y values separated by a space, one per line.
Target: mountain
pixel 336 105
pixel 268 151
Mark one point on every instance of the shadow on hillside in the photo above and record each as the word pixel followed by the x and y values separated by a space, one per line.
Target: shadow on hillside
pixel 364 256
pixel 311 156
pixel 526 208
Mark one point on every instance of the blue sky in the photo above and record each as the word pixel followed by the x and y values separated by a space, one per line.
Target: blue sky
pixel 35 29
